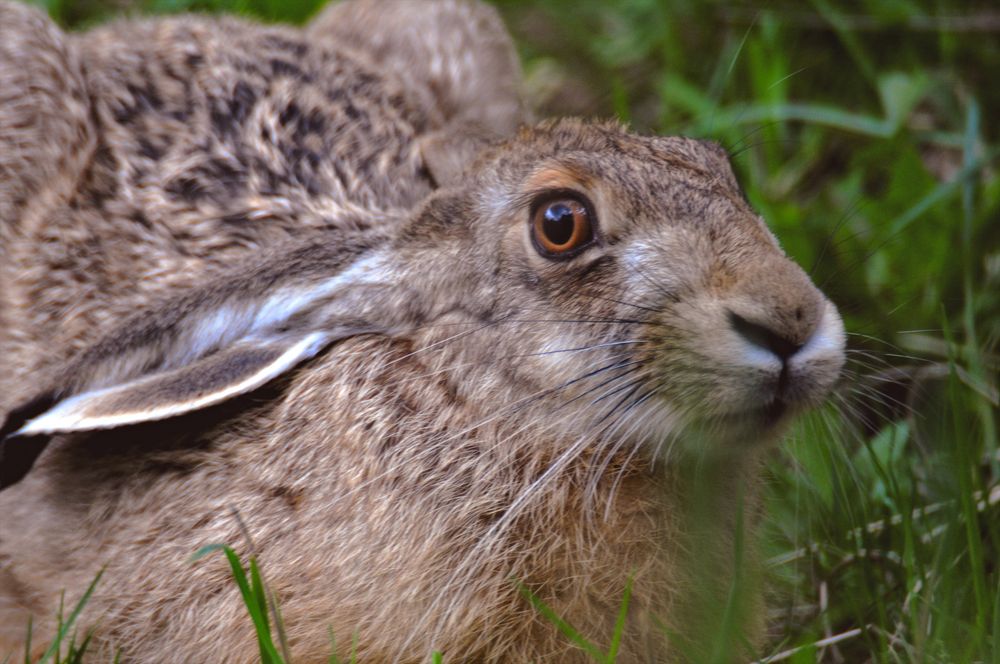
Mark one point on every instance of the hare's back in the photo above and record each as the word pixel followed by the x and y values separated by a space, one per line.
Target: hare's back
pixel 225 116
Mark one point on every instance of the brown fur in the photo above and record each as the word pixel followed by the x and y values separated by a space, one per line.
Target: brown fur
pixel 401 486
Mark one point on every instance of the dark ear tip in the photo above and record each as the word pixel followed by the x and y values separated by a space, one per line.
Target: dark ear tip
pixel 17 454
pixel 18 417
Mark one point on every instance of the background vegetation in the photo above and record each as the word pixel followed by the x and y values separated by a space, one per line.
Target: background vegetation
pixel 865 132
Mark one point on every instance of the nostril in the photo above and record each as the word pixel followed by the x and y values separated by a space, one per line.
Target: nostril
pixel 764 337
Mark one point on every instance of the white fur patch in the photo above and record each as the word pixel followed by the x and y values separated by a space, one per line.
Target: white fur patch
pixel 287 302
pixel 756 356
pixel 216 328
pixel 828 339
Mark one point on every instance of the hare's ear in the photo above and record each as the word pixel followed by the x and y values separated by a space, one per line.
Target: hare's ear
pixel 45 126
pixel 215 378
pixel 220 376
pixel 209 346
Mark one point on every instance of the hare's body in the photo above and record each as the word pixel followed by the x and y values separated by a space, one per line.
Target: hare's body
pixel 500 409
pixel 382 545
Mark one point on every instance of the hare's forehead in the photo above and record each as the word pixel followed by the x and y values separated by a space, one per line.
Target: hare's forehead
pixel 643 175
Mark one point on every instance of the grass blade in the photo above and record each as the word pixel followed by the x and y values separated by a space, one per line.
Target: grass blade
pixel 563 626
pixel 27 643
pixel 616 637
pixel 254 597
pixel 65 627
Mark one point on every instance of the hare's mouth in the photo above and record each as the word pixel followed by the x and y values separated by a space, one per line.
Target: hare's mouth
pixel 777 407
pixel 761 415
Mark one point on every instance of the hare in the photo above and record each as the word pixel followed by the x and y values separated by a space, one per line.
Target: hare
pixel 437 370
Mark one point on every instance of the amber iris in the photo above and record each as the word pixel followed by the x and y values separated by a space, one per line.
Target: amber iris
pixel 561 227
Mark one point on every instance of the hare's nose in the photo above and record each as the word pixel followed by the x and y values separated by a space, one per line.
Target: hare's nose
pixel 764 337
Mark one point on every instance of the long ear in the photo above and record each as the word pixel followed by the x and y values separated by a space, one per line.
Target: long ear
pixel 210 380
pixel 247 365
pixel 202 348
pixel 45 127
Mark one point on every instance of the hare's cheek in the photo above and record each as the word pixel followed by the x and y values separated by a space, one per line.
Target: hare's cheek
pixel 562 356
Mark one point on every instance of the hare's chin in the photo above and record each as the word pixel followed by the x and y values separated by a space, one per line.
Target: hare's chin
pixel 737 431
pixel 761 419
pixel 764 416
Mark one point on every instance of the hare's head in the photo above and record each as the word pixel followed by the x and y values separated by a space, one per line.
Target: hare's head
pixel 595 280
pixel 628 278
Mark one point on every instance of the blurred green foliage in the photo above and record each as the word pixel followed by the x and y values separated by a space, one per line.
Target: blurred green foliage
pixel 865 133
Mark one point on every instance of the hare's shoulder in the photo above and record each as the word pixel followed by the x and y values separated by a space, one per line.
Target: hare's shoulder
pixel 220 114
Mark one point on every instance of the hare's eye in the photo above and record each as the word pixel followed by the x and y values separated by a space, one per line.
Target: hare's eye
pixel 561 227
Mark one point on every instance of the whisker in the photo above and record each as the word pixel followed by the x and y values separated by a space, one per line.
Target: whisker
pixel 613 492
pixel 760 127
pixel 621 302
pixel 602 467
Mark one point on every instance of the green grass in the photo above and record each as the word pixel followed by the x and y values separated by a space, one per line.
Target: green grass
pixel 260 604
pixel 575 636
pixel 67 646
pixel 865 134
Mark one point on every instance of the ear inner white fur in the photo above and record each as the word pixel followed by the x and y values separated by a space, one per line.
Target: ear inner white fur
pixel 236 370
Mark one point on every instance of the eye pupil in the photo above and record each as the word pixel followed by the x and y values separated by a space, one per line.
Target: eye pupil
pixel 558 224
